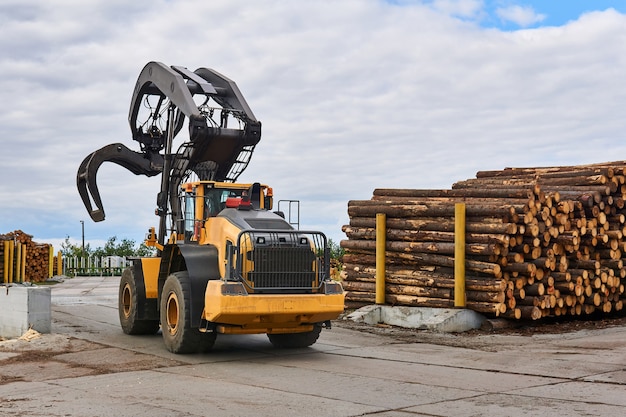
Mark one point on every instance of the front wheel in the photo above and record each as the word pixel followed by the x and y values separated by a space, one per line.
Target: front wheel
pixel 178 335
pixel 129 299
pixel 295 340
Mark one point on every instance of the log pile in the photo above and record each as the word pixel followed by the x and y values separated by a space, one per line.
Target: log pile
pixel 37 259
pixel 539 242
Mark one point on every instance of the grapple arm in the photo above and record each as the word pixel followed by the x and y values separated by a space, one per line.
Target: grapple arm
pixel 214 150
pixel 149 164
pixel 229 148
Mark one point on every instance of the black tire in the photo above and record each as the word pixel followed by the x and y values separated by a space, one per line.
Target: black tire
pixel 295 340
pixel 128 303
pixel 178 335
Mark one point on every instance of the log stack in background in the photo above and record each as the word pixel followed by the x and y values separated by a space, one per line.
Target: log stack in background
pixel 539 242
pixel 37 256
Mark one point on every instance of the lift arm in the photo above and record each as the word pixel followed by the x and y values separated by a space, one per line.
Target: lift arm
pixel 214 151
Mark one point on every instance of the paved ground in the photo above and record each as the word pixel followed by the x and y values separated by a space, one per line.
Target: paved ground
pixel 88 367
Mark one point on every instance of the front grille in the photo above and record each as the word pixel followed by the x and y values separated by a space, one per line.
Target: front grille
pixel 281 261
pixel 277 266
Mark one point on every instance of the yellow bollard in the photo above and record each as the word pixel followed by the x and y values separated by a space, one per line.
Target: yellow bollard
pixel 59 263
pixel 11 259
pixel 18 262
pixel 381 244
pixel 50 261
pixel 459 255
pixel 6 268
pixel 23 264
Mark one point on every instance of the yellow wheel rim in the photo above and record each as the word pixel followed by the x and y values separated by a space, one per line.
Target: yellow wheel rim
pixel 127 296
pixel 172 313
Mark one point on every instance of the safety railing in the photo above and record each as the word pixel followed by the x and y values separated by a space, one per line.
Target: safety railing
pixel 94 266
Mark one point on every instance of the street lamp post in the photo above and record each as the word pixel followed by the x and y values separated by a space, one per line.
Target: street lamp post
pixel 82 251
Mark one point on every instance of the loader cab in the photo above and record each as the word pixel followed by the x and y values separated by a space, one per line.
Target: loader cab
pixel 203 200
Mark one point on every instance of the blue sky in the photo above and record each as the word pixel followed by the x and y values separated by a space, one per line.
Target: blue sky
pixel 550 12
pixel 353 95
pixel 515 14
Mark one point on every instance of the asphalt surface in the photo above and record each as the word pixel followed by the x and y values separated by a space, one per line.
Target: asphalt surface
pixel 88 367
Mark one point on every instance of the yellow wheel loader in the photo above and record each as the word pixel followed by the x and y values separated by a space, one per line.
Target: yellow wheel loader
pixel 226 263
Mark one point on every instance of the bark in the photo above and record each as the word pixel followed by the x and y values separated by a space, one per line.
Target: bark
pixel 553 237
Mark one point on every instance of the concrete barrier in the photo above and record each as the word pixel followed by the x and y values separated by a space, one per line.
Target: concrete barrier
pixel 445 320
pixel 23 307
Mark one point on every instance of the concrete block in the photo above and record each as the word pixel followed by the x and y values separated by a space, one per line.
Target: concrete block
pixel 434 319
pixel 23 307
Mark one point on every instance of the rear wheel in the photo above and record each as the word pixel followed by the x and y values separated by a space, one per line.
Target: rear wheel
pixel 178 335
pixel 295 340
pixel 129 300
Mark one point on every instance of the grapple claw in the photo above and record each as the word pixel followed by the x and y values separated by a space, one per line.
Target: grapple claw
pixel 150 164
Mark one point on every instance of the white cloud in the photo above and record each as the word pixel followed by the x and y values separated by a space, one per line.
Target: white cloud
pixel 522 16
pixel 460 8
pixel 352 95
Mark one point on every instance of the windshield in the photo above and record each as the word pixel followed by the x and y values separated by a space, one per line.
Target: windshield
pixel 215 199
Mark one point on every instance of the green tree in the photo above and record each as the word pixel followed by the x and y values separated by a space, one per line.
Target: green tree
pixel 68 249
pixel 336 251
pixel 145 251
pixel 125 247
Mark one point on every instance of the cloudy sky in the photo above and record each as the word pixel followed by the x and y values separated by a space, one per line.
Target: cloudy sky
pixel 353 95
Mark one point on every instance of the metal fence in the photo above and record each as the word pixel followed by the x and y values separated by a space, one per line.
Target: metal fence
pixel 95 266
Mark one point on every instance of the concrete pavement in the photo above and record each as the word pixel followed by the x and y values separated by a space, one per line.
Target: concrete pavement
pixel 88 367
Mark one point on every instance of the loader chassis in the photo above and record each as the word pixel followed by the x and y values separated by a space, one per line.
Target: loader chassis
pixel 230 264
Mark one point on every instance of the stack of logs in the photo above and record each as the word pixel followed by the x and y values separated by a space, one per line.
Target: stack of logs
pixel 539 242
pixel 37 256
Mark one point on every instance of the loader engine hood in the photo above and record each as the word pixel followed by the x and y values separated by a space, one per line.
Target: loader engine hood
pixel 255 219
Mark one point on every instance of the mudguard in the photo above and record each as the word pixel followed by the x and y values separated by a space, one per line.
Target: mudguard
pixel 147 308
pixel 201 261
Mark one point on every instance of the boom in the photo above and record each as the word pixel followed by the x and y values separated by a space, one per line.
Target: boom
pixel 163 98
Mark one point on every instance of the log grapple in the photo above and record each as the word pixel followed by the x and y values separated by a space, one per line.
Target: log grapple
pixel 214 150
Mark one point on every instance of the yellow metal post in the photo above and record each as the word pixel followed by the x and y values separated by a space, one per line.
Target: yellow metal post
pixel 18 262
pixel 50 261
pixel 11 259
pixel 381 244
pixel 59 263
pixel 459 255
pixel 23 264
pixel 6 268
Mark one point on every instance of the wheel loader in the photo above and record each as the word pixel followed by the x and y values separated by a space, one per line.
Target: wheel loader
pixel 225 262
